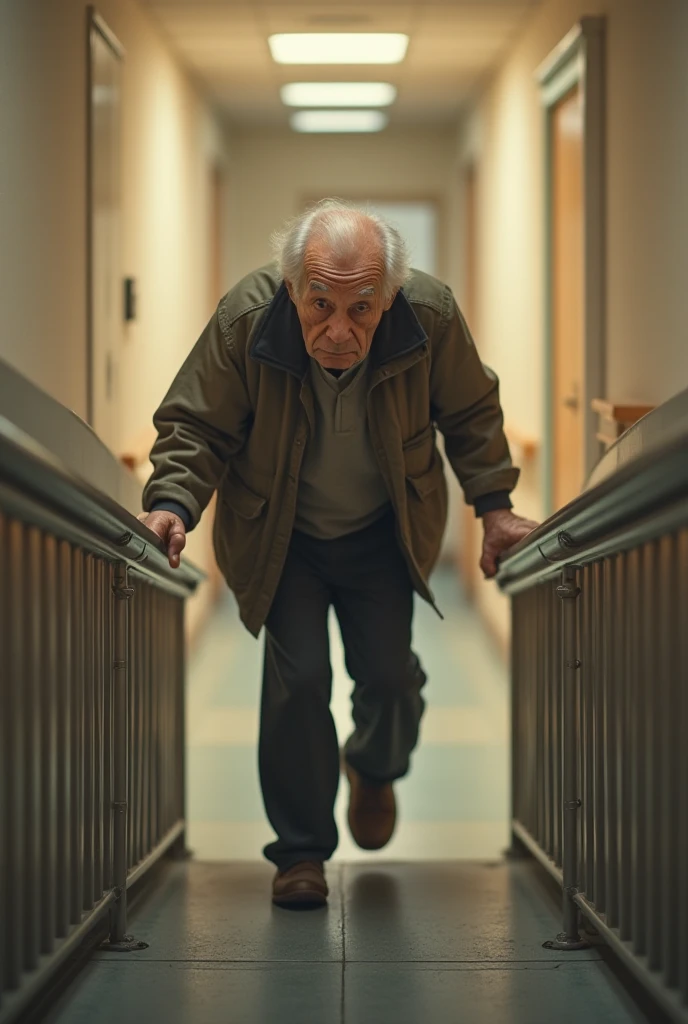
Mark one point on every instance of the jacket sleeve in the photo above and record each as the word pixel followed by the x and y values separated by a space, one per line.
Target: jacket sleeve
pixel 202 423
pixel 465 405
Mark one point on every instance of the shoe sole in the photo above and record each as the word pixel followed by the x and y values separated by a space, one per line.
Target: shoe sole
pixel 302 898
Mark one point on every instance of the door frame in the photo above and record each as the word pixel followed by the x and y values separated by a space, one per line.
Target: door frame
pixel 94 23
pixel 579 59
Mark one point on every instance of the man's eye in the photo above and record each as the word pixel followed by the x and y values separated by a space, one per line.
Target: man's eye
pixel 362 307
pixel 320 304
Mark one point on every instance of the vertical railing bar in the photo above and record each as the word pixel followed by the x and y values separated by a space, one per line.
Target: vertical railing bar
pixel 623 718
pixel 681 660
pixel 556 740
pixel 64 738
pixel 588 683
pixel 600 598
pixel 14 918
pixel 155 671
pixel 654 783
pixel 89 738
pixel 180 760
pixel 544 658
pixel 610 613
pixel 164 690
pixel 31 685
pixel 540 731
pixel 99 739
pixel 49 878
pixel 637 604
pixel 140 734
pixel 668 699
pixel 6 765
pixel 131 676
pixel 144 591
pixel 77 737
pixel 119 941
pixel 569 938
pixel 108 658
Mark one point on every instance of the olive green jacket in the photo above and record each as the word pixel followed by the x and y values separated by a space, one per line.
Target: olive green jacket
pixel 239 413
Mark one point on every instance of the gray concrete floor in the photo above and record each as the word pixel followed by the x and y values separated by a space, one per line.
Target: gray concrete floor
pixel 399 943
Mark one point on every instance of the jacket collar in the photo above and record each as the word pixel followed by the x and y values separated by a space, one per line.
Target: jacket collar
pixel 279 339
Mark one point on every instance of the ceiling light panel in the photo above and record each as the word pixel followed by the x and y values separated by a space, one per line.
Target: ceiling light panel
pixel 338 94
pixel 338 47
pixel 338 121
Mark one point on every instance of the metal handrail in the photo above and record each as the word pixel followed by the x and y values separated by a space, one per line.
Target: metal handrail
pixel 599 713
pixel 92 730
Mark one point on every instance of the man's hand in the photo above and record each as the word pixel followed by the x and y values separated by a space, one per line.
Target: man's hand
pixel 171 531
pixel 503 529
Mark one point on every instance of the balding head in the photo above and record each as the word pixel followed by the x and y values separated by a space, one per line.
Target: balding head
pixel 343 268
pixel 347 234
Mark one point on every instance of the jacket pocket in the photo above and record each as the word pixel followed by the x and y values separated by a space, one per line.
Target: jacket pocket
pixel 420 456
pixel 241 499
pixel 426 434
pixel 427 483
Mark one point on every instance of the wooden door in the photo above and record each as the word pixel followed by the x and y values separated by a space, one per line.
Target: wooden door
pixel 567 298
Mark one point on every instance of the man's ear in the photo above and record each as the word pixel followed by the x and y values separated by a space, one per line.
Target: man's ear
pixel 390 300
pixel 290 289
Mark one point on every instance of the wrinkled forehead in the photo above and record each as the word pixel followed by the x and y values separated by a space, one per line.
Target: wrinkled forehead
pixel 361 272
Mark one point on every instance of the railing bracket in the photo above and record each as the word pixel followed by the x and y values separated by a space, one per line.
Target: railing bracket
pixel 128 944
pixel 565 943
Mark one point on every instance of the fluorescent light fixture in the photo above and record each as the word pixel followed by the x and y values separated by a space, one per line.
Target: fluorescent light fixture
pixel 338 94
pixel 338 47
pixel 338 121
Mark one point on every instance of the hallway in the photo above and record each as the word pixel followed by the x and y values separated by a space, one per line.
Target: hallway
pixel 436 927
pixel 464 737
pixel 398 944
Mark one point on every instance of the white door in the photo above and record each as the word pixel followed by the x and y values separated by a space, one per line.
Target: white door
pixel 106 296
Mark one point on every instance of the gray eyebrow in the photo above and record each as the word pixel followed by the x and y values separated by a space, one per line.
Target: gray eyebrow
pixel 318 286
pixel 367 291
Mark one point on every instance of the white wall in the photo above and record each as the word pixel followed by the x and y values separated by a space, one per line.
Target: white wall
pixel 171 139
pixel 647 214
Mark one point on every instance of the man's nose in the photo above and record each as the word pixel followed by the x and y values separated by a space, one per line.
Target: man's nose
pixel 339 329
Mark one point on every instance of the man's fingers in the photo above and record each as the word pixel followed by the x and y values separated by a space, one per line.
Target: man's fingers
pixel 488 563
pixel 170 529
pixel 176 544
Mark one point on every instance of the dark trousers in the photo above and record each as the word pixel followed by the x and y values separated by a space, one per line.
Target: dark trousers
pixel 364 577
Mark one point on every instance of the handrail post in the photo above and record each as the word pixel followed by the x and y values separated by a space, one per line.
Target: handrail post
pixel 568 591
pixel 119 941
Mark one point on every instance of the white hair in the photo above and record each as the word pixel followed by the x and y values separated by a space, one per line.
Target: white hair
pixel 339 224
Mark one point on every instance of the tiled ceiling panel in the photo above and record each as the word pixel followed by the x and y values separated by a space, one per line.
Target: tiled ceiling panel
pixel 453 44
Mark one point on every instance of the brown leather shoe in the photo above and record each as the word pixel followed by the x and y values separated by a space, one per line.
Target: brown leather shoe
pixel 372 811
pixel 301 885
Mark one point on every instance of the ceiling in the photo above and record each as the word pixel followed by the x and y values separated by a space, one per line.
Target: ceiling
pixel 454 43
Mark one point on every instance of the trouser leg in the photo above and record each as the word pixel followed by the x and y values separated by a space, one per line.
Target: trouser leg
pixel 375 612
pixel 298 749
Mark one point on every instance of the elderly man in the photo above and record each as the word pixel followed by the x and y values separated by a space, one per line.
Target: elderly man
pixel 311 402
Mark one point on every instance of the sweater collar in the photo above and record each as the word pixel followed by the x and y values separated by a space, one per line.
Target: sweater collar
pixel 279 339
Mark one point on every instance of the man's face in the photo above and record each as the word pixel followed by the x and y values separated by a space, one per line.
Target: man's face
pixel 341 304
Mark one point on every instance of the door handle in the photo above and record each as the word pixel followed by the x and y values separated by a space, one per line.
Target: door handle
pixel 571 402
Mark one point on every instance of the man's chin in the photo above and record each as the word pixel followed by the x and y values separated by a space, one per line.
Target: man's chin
pixel 332 362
